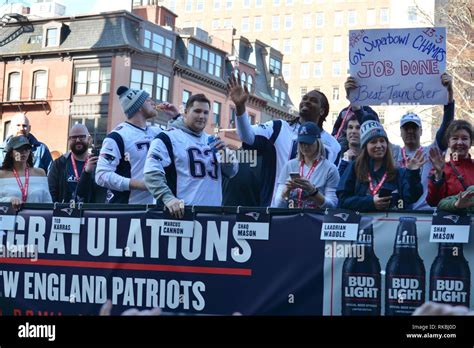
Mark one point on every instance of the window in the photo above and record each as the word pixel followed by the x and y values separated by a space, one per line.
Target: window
pixel 318 69
pixel 142 80
pixel 335 93
pixel 162 88
pixel 338 18
pixel 246 4
pixel 336 68
pixel 371 16
pixel 381 117
pixel 337 44
pixel 51 37
pixel 305 45
pixel 275 66
pixel 215 24
pixel 232 118
pixel 275 43
pixel 228 5
pixel 147 39
pixel 40 84
pixel 303 91
pixel 384 16
pixel 204 60
pixel 258 24
pixel 289 2
pixel 318 44
pixel 279 97
pixel 287 71
pixel 352 17
pixel 217 5
pixel 245 24
pixel 185 97
pixel 250 83
pixel 200 5
pixel 307 2
pixel 252 119
pixel 6 130
pixel 276 2
pixel 14 83
pixel 93 80
pixel 275 23
pixel 307 21
pixel 304 70
pixel 188 7
pixel 288 22
pixel 412 14
pixel 243 79
pixel 159 43
pixel 287 46
pixel 216 113
pixel 319 19
pixel 35 39
pixel 258 3
pixel 227 23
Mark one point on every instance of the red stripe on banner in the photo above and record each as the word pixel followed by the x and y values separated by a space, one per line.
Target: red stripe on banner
pixel 131 266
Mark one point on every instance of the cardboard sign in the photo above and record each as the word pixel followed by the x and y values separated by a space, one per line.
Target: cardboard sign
pixel 398 66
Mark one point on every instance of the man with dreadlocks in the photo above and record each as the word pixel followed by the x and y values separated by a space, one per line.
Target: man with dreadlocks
pixel 276 140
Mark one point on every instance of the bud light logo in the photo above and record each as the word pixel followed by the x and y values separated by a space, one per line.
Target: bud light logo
pixel 450 291
pixel 361 287
pixel 407 289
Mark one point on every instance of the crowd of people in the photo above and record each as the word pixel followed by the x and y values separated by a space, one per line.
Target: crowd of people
pixel 299 164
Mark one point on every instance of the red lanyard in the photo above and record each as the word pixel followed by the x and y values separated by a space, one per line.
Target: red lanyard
pixel 374 190
pixel 405 158
pixel 311 170
pixel 349 109
pixel 74 167
pixel 23 189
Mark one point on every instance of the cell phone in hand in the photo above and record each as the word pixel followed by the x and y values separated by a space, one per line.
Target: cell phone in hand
pixel 295 175
pixel 385 192
pixel 95 151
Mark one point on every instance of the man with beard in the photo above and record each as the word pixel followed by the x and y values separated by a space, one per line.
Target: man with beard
pixel 124 150
pixel 277 139
pixel 20 125
pixel 71 177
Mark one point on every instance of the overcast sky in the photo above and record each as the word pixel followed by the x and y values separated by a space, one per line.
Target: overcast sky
pixel 74 7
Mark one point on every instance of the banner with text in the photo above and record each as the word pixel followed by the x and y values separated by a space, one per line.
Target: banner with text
pixel 140 259
pixel 398 66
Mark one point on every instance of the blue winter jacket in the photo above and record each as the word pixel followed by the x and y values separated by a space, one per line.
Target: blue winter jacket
pixel 355 195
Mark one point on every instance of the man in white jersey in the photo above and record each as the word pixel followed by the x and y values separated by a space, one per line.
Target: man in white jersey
pixel 276 140
pixel 185 165
pixel 411 130
pixel 123 153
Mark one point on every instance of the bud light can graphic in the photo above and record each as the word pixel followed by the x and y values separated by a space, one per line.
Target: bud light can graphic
pixel 405 272
pixel 450 276
pixel 361 283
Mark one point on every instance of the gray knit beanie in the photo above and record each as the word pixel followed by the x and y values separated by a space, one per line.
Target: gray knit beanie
pixel 131 99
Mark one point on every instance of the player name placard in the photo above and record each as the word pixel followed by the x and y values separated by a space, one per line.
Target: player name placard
pixel 252 225
pixel 177 228
pixel 340 225
pixel 66 220
pixel 447 227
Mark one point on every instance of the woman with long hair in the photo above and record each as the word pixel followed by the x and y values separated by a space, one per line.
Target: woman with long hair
pixel 20 182
pixel 455 176
pixel 372 182
pixel 310 180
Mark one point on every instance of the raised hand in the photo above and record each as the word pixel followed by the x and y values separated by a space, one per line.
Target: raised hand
pixel 447 81
pixel 437 160
pixel 417 161
pixel 170 110
pixel 349 85
pixel 382 203
pixel 237 93
pixel 465 200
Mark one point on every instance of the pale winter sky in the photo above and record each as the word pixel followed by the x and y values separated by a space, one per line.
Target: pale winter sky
pixel 74 7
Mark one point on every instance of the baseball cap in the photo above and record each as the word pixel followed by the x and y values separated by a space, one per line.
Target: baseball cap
pixel 308 133
pixel 17 142
pixel 410 117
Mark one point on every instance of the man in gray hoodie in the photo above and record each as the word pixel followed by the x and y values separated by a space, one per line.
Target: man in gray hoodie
pixel 185 164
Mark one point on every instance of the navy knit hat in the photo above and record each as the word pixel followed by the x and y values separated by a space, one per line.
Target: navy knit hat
pixel 131 99
pixel 369 130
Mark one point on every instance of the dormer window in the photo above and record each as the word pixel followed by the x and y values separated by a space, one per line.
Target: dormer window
pixel 275 66
pixel 52 34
